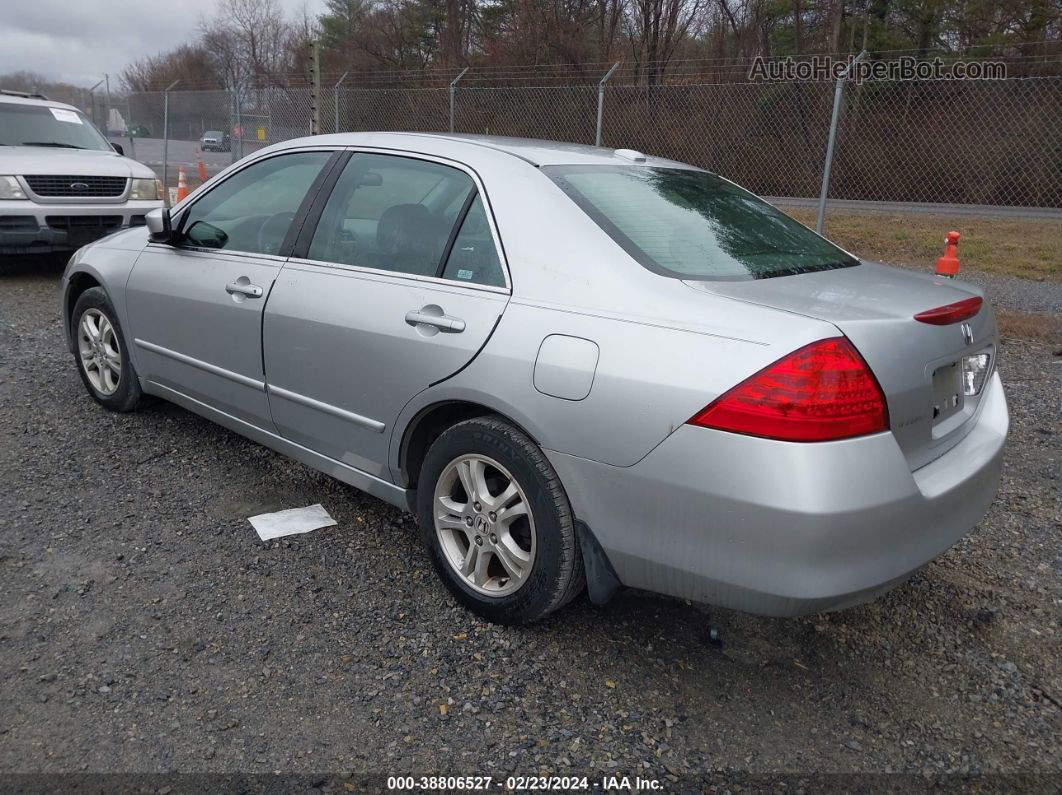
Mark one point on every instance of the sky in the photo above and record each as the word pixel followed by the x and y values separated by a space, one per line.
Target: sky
pixel 78 41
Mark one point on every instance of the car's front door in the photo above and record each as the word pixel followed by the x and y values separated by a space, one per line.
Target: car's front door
pixel 397 286
pixel 195 308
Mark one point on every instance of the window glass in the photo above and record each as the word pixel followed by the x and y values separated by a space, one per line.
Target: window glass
pixel 694 225
pixel 391 213
pixel 41 125
pixel 474 257
pixel 252 209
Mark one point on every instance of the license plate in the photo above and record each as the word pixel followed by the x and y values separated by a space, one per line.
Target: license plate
pixel 947 391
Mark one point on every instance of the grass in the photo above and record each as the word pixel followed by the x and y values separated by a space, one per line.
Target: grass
pixel 1028 248
pixel 1038 326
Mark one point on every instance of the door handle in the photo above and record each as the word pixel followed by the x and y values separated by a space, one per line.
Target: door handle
pixel 425 317
pixel 243 287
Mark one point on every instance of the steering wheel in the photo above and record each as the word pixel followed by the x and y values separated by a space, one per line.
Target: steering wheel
pixel 272 231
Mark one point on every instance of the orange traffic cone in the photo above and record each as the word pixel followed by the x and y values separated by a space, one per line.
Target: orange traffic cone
pixel 948 265
pixel 182 185
pixel 202 171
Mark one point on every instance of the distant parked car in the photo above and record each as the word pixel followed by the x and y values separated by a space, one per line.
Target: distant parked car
pixel 139 131
pixel 62 185
pixel 215 141
pixel 575 365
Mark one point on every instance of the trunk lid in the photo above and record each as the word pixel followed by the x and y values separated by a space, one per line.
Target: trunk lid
pixel 918 365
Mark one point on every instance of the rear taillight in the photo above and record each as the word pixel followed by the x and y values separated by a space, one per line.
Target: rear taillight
pixel 822 392
pixel 951 313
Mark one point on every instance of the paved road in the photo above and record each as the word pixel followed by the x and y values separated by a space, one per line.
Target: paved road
pixel 143 626
pixel 187 153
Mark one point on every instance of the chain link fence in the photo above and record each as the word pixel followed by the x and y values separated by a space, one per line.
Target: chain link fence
pixel 975 142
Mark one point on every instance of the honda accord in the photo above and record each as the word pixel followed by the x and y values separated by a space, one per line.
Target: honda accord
pixel 581 368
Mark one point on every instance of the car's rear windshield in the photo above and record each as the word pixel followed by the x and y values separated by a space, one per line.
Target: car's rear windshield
pixel 691 224
pixel 41 125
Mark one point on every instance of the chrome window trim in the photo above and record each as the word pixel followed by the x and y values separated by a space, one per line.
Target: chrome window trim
pixel 220 252
pixel 366 271
pixel 480 189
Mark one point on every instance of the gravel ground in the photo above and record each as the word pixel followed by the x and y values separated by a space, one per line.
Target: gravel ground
pixel 144 627
pixel 1012 293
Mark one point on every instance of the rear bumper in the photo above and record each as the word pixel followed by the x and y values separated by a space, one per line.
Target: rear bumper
pixel 779 528
pixel 30 228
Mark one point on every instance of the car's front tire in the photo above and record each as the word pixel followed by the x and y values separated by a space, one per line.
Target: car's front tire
pixel 102 353
pixel 497 523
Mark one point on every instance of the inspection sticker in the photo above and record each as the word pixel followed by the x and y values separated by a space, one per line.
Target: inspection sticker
pixel 65 115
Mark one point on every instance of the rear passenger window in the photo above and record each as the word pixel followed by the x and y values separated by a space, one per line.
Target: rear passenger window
pixel 474 257
pixel 391 213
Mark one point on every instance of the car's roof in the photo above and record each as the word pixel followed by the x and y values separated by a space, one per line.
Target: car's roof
pixel 14 99
pixel 532 150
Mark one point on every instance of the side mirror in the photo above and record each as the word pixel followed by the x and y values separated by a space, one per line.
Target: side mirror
pixel 206 235
pixel 159 227
pixel 118 148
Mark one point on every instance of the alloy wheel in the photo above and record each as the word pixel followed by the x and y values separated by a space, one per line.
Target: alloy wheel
pixel 484 525
pixel 101 355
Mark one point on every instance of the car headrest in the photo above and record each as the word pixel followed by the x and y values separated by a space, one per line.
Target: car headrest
pixel 404 229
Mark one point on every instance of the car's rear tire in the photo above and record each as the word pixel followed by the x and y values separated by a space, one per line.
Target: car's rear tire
pixel 102 354
pixel 508 550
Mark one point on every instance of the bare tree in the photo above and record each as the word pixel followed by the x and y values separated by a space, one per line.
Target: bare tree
pixel 656 28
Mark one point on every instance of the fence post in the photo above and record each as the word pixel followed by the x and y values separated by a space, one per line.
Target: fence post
pixel 107 123
pixel 315 88
pixel 129 127
pixel 237 146
pixel 166 139
pixel 336 90
pixel 838 92
pixel 453 97
pixel 601 102
pixel 92 98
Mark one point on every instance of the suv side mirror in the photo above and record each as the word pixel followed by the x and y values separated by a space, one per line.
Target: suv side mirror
pixel 118 148
pixel 160 230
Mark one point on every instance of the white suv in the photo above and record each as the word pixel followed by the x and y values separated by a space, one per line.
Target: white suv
pixel 62 185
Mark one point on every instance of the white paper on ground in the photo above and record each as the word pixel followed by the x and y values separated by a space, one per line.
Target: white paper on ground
pixel 291 521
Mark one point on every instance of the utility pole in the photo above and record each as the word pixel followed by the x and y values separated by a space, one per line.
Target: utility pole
pixel 315 88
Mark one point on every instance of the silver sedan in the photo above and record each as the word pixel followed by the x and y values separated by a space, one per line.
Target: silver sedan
pixel 581 368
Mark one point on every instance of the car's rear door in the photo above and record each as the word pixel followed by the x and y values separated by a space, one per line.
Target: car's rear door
pixel 195 308
pixel 395 284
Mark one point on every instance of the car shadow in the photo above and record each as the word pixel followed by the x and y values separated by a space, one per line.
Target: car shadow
pixel 33 264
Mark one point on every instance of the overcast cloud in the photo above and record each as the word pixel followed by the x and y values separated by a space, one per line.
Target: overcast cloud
pixel 77 41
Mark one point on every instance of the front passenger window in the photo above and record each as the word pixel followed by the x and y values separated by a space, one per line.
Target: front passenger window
pixel 252 210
